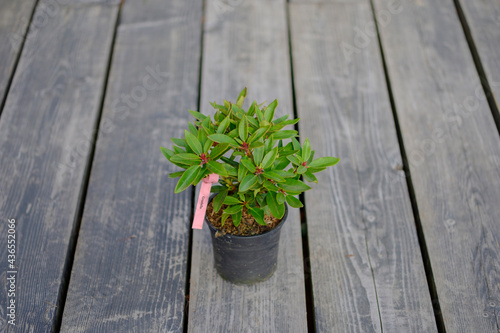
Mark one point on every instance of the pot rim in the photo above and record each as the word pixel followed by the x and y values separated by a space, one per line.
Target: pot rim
pixel 277 228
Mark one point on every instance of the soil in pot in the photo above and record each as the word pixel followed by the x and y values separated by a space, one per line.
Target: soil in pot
pixel 247 227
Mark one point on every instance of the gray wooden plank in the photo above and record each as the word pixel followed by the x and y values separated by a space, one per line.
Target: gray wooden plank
pixel 53 103
pixel 366 267
pixel 483 19
pixel 129 273
pixel 259 61
pixel 14 21
pixel 453 150
pixel 152 10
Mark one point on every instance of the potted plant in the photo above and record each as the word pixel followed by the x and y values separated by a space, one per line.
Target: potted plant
pixel 258 166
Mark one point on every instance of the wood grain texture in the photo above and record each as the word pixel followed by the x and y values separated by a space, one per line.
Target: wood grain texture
pixel 483 19
pixel 14 21
pixel 129 273
pixel 149 11
pixel 365 262
pixel 247 45
pixel 51 109
pixel 453 150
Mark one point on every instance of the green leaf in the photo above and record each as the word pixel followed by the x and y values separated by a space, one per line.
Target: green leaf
pixel 260 115
pixel 296 144
pixel 270 186
pixel 310 177
pixel 301 169
pixel 273 175
pixel 248 164
pixel 175 174
pixel 282 124
pixel 314 170
pixel 323 162
pixel 221 138
pixel 185 158
pixel 264 123
pixel 223 125
pixel 179 142
pixel 241 97
pixel 294 159
pixel 207 145
pixel 251 109
pixel 203 173
pixel 219 199
pixel 277 210
pixel 311 158
pixel 231 171
pixel 252 123
pixel 217 168
pixel 293 202
pixel 207 125
pixel 261 199
pixel 197 115
pixel 281 163
pixel 224 218
pixel 219 150
pixel 192 129
pixel 233 209
pixel 229 161
pixel 187 178
pixel 256 144
pixel 231 201
pixel 167 152
pixel 269 112
pixel 293 185
pixel 280 119
pixel 178 150
pixel 280 198
pixel 237 219
pixel 270 158
pixel 258 214
pixel 242 172
pixel 306 150
pixel 217 188
pixel 248 182
pixel 243 128
pixel 285 174
pixel 193 142
pixel 284 134
pixel 258 154
pixel 258 134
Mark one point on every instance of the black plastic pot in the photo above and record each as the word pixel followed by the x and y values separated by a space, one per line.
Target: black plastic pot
pixel 246 259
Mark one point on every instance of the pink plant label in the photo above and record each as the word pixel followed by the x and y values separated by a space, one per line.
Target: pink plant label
pixel 201 206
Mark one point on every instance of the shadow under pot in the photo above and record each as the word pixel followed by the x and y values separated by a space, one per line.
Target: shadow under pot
pixel 246 259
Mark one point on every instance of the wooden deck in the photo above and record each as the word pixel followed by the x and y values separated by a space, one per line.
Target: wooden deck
pixel 402 236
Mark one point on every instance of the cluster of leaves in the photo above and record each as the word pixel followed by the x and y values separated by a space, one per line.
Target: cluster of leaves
pixel 256 169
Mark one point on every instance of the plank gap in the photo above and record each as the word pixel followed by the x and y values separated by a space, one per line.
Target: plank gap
pixel 193 190
pixel 418 224
pixel 68 265
pixel 16 62
pixel 311 320
pixel 479 65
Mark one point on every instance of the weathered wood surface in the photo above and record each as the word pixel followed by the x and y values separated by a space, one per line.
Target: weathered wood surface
pixel 259 60
pixel 364 251
pixel 453 150
pixel 14 20
pixel 483 19
pixel 49 114
pixel 130 265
